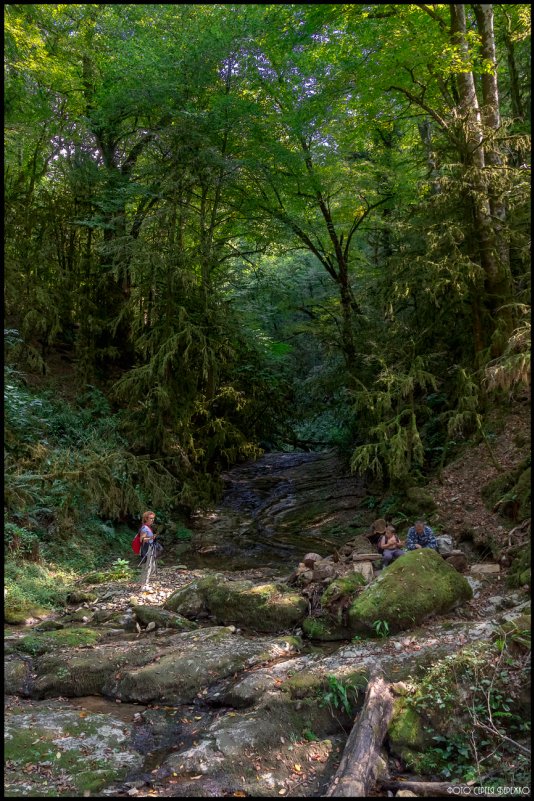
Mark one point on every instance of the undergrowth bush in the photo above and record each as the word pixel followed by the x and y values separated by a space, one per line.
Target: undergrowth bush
pixel 472 708
pixel 31 589
pixel 70 477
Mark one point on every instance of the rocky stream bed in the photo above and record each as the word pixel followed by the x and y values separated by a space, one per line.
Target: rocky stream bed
pixel 206 684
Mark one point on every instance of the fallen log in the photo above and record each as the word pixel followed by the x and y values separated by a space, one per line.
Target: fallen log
pixel 429 789
pixel 357 771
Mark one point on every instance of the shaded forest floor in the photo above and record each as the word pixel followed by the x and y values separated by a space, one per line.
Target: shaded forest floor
pixel 458 492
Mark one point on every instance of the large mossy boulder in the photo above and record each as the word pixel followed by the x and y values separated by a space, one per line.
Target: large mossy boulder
pixel 261 607
pixel 415 586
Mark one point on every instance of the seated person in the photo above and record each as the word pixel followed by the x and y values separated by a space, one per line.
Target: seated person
pixel 378 528
pixel 420 536
pixel 390 546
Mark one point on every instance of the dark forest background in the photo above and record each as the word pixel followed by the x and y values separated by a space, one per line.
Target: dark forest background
pixel 232 228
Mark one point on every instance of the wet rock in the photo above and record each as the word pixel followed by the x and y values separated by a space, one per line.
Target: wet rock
pixel 274 507
pixel 415 586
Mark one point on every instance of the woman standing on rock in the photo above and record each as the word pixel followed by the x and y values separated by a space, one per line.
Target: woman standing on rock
pixel 150 549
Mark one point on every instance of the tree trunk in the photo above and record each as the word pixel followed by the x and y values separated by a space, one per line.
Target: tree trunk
pixel 492 120
pixel 518 111
pixel 357 771
pixel 488 210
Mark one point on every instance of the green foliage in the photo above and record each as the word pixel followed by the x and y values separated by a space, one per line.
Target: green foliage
pixel 121 569
pixel 33 588
pixel 510 493
pixel 397 450
pixel 183 533
pixel 218 246
pixel 381 628
pixel 488 728
pixel 74 460
pixel 341 695
pixel 18 540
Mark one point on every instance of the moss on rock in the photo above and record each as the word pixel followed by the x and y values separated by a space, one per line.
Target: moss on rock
pixel 342 587
pixel 80 597
pixel 304 684
pixel 519 574
pixel 416 585
pixel 41 642
pixel 17 675
pixel 510 493
pixel 79 754
pixel 261 607
pixel 189 601
pixel 194 661
pixel 405 732
pixel 17 612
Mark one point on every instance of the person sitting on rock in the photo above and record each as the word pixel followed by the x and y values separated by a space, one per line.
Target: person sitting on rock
pixel 378 528
pixel 390 546
pixel 420 536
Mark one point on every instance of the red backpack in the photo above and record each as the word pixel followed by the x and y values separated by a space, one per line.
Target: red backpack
pixel 136 544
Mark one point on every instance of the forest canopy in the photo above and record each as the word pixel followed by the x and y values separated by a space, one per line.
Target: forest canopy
pixel 259 226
